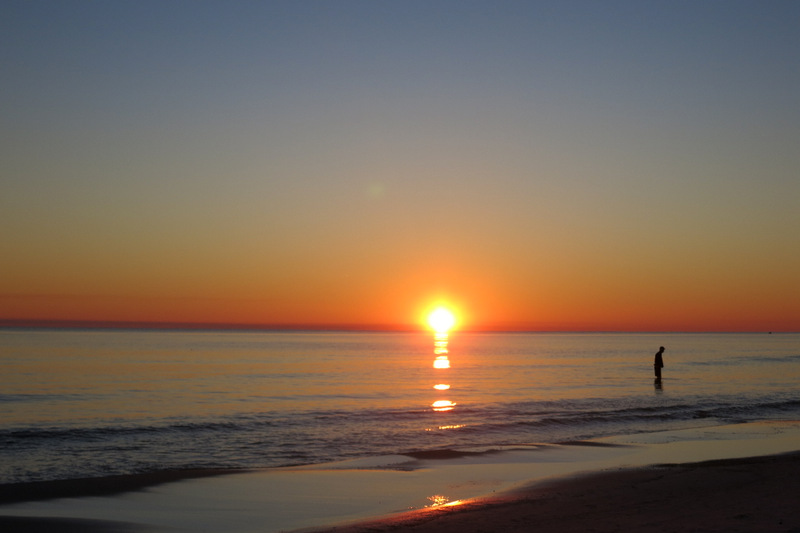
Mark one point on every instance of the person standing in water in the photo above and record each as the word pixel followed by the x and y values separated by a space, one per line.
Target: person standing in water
pixel 658 364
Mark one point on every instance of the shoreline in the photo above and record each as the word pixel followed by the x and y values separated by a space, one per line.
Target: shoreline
pixel 580 480
pixel 730 495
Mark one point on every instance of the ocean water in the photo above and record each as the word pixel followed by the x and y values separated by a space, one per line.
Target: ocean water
pixel 87 403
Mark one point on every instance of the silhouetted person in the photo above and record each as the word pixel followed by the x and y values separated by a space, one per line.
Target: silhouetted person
pixel 658 364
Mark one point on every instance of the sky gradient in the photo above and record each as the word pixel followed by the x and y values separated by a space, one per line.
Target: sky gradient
pixel 571 165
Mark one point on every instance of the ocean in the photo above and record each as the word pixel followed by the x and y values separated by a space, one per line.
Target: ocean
pixel 88 403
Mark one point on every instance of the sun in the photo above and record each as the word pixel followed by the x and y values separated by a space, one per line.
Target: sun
pixel 441 320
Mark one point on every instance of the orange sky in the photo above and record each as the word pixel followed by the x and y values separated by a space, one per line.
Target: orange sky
pixel 541 168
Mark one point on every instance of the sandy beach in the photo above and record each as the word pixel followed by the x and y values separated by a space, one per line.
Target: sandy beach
pixel 742 477
pixel 731 495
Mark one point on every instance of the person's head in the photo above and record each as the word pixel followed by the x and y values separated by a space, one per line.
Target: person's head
pixel 661 349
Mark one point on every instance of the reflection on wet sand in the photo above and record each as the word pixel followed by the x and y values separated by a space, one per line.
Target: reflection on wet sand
pixel 437 500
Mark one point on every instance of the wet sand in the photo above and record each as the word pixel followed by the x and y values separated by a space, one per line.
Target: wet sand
pixel 25 524
pixel 100 486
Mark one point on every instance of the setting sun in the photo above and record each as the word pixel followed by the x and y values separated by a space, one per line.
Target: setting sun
pixel 441 320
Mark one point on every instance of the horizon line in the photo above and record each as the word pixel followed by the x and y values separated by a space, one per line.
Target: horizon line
pixel 376 328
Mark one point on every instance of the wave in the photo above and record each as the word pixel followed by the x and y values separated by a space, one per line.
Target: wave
pixel 267 440
pixel 579 412
pixel 742 360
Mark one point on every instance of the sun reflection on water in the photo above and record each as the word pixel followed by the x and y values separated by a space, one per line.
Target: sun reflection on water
pixel 441 362
pixel 443 405
pixel 442 428
pixel 440 343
